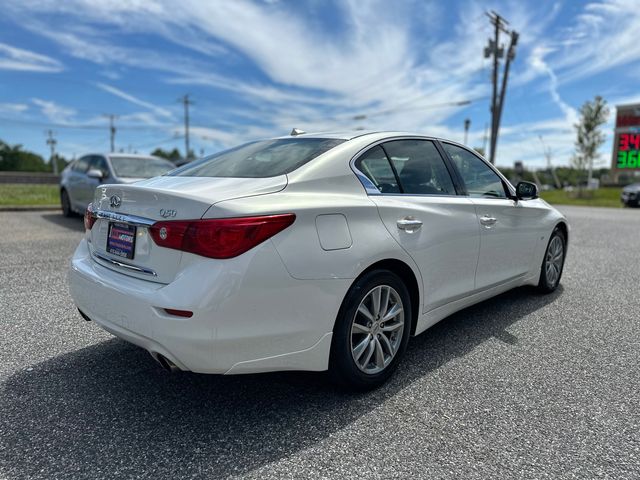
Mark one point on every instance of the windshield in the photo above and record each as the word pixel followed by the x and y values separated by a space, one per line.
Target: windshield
pixel 140 167
pixel 268 158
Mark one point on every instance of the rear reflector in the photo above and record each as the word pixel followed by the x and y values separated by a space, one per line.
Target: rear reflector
pixel 89 217
pixel 179 313
pixel 219 237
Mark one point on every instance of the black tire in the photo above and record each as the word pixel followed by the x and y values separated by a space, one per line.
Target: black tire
pixel 548 282
pixel 65 203
pixel 342 365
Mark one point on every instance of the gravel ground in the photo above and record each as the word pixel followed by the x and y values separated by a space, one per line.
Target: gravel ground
pixel 520 386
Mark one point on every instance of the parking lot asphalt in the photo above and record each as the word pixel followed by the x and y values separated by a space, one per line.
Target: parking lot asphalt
pixel 520 386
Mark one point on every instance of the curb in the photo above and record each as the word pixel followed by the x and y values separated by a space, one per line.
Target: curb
pixel 28 208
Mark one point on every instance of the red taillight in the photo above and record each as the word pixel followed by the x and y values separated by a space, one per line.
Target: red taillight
pixel 219 237
pixel 89 217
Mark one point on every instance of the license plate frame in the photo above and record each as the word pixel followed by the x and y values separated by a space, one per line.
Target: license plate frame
pixel 121 240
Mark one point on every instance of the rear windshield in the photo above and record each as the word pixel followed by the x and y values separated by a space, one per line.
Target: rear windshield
pixel 267 158
pixel 140 167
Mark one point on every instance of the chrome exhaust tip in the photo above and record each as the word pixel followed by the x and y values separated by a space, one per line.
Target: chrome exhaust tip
pixel 165 363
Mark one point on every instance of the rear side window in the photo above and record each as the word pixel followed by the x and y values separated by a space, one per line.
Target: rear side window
pixel 479 178
pixel 268 158
pixel 420 167
pixel 375 165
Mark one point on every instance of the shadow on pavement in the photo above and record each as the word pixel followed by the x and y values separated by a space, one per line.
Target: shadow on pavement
pixel 109 410
pixel 72 223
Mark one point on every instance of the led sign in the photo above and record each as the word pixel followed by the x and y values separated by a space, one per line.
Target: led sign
pixel 628 150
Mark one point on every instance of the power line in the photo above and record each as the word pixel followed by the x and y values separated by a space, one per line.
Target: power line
pixel 75 126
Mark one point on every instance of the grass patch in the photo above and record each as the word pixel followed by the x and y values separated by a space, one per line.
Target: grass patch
pixel 602 197
pixel 16 194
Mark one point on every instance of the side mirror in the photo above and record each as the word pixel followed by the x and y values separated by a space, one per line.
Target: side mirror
pixel 526 191
pixel 95 173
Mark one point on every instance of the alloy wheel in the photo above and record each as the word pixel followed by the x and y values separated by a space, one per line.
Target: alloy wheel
pixel 376 329
pixel 553 260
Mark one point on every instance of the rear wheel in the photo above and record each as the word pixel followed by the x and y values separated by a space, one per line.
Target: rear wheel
pixel 371 332
pixel 65 203
pixel 553 262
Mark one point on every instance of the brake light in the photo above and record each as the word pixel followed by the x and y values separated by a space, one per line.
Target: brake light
pixel 89 217
pixel 219 237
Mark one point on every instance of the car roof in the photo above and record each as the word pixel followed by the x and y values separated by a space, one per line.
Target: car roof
pixel 351 134
pixel 119 155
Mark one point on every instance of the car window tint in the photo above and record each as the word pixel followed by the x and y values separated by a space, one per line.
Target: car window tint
pixel 420 167
pixel 262 159
pixel 99 163
pixel 478 177
pixel 81 165
pixel 375 165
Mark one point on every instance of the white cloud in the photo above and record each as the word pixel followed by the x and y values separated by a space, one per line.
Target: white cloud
pixel 13 108
pixel 54 112
pixel 136 101
pixel 604 36
pixel 13 58
pixel 391 63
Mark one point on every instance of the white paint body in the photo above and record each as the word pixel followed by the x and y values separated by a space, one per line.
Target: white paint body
pixel 275 306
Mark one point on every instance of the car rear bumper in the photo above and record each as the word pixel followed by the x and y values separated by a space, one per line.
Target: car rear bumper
pixel 249 314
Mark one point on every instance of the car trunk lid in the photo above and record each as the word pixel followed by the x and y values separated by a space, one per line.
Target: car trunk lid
pixel 120 237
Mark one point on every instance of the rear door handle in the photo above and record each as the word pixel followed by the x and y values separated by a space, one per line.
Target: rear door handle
pixel 409 224
pixel 487 221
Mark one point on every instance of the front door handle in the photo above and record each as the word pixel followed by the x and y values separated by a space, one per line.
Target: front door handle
pixel 409 224
pixel 487 221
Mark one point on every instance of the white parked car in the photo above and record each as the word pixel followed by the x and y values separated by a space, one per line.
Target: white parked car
pixel 80 178
pixel 309 252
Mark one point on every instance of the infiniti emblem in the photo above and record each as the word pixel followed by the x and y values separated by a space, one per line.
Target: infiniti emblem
pixel 115 201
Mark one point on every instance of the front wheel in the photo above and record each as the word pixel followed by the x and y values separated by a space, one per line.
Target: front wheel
pixel 371 332
pixel 553 262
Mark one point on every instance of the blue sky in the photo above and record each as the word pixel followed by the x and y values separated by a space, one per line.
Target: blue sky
pixel 257 69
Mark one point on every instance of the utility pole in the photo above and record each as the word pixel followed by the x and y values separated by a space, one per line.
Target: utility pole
pixel 52 145
pixel 186 102
pixel 548 154
pixel 495 50
pixel 484 140
pixel 112 129
pixel 467 124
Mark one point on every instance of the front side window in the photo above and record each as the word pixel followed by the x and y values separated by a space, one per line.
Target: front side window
pixel 81 165
pixel 268 158
pixel 420 168
pixel 478 177
pixel 375 165
pixel 99 163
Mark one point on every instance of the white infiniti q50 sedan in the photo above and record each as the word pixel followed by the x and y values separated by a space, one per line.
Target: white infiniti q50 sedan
pixel 309 252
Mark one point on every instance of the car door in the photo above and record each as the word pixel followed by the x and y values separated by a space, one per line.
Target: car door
pixel 96 162
pixel 418 204
pixel 509 228
pixel 75 183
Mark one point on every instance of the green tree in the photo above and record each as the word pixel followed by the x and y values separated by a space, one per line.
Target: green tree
pixel 173 155
pixel 14 159
pixel 593 114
